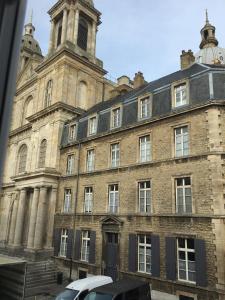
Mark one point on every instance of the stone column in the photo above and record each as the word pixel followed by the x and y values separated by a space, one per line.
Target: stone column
pixel 93 38
pixel 64 25
pixel 20 218
pixel 13 221
pixel 51 216
pixel 33 217
pixel 71 19
pixel 52 35
pixel 76 25
pixel 40 222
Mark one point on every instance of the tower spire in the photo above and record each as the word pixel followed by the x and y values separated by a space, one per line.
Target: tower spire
pixel 31 16
pixel 208 34
pixel 207 17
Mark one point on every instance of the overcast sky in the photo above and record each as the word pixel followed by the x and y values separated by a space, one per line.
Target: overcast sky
pixel 143 35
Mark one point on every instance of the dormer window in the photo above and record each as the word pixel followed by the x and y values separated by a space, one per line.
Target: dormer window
pixel 92 125
pixel 145 107
pixel 181 95
pixel 116 118
pixel 72 132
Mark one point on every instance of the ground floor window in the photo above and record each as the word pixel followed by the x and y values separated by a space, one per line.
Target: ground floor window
pixel 85 245
pixel 63 243
pixel 144 253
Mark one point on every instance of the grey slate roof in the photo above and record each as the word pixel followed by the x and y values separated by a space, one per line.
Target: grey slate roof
pixel 161 90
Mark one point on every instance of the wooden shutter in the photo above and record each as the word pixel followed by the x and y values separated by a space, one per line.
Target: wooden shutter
pixel 77 245
pixel 56 241
pixel 132 253
pixel 201 267
pixel 155 255
pixel 92 247
pixel 171 258
pixel 69 244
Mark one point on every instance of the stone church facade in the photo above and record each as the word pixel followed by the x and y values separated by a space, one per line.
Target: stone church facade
pixel 124 179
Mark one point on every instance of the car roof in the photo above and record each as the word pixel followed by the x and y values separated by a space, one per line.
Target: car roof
pixel 120 286
pixel 88 283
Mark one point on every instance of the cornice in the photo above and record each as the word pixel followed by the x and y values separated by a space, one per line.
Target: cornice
pixel 47 172
pixel 20 129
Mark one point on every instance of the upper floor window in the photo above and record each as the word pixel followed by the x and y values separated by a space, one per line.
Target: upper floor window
pixel 70 164
pixel 113 198
pixel 88 199
pixel 145 148
pixel 181 141
pixel 72 132
pixel 42 154
pixel 63 243
pixel 48 93
pixel 116 118
pixel 85 245
pixel 186 260
pixel 181 97
pixel 115 155
pixel 90 160
pixel 22 159
pixel 145 196
pixel 145 108
pixel 82 39
pixel 67 201
pixel 183 195
pixel 59 33
pixel 144 254
pixel 92 126
pixel 28 109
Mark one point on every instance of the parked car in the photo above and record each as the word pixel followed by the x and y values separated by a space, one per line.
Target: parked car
pixel 125 289
pixel 77 290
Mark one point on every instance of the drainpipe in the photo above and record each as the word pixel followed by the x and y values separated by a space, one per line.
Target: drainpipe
pixel 75 211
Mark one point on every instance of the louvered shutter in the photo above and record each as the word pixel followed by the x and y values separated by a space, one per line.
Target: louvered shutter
pixel 132 253
pixel 171 258
pixel 201 267
pixel 56 241
pixel 155 255
pixel 77 245
pixel 92 247
pixel 69 244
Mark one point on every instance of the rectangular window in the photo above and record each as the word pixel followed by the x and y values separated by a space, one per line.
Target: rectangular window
pixel 144 254
pixel 181 95
pixel 72 132
pixel 115 155
pixel 63 243
pixel 145 196
pixel 67 201
pixel 92 125
pixel 145 148
pixel 90 160
pixel 85 245
pixel 183 195
pixel 113 198
pixel 116 117
pixel 181 141
pixel 70 164
pixel 186 260
pixel 145 108
pixel 88 199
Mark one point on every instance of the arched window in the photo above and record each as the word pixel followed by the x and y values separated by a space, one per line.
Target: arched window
pixel 48 93
pixel 82 34
pixel 82 95
pixel 22 159
pixel 42 154
pixel 28 109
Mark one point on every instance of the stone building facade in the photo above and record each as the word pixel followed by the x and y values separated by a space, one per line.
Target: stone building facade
pixel 123 179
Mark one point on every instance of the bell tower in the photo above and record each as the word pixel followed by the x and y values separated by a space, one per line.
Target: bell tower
pixel 74 26
pixel 208 35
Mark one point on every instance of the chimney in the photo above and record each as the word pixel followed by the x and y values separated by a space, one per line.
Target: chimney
pixel 186 59
pixel 139 80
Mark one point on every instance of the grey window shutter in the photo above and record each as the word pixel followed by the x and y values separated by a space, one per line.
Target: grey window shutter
pixel 92 247
pixel 69 244
pixel 201 268
pixel 57 239
pixel 65 135
pixel 155 255
pixel 132 253
pixel 77 245
pixel 171 258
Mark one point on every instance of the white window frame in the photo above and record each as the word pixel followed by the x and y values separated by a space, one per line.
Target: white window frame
pixel 113 198
pixel 115 155
pixel 63 243
pixel 72 132
pixel 181 139
pixel 90 164
pixel 92 125
pixel 181 93
pixel 145 147
pixel 145 107
pixel 186 250
pixel 184 191
pixel 70 164
pixel 146 191
pixel 145 246
pixel 116 115
pixel 67 200
pixel 85 245
pixel 88 199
